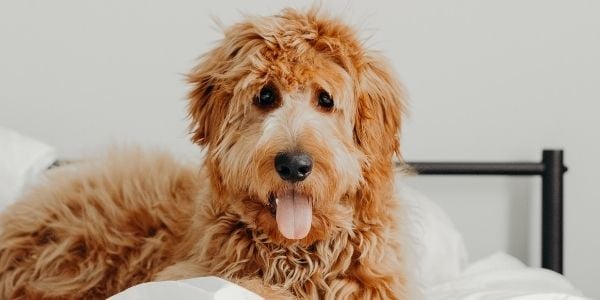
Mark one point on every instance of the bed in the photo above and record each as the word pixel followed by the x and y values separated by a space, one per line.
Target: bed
pixel 444 271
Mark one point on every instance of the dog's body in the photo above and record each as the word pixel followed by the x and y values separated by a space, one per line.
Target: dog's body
pixel 294 198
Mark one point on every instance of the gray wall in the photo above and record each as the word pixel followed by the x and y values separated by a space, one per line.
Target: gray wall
pixel 488 80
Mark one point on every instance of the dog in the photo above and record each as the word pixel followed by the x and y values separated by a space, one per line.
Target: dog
pixel 294 198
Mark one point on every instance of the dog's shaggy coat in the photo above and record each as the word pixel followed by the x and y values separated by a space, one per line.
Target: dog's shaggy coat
pixel 97 228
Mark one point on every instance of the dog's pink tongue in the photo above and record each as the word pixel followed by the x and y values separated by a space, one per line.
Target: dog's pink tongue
pixel 294 215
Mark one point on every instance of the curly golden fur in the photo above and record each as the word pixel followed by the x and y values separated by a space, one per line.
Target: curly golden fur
pixel 99 227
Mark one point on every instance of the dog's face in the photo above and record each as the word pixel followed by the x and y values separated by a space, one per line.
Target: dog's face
pixel 298 120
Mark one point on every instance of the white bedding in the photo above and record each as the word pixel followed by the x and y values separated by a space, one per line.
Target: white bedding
pixel 501 276
pixel 497 277
pixel 201 288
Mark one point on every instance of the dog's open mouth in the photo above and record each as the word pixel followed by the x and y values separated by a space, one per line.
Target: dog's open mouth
pixel 293 213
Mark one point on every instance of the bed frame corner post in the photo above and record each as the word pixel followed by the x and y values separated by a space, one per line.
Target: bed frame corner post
pixel 552 210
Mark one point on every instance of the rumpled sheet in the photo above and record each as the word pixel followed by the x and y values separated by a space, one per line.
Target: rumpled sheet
pixel 201 288
pixel 501 276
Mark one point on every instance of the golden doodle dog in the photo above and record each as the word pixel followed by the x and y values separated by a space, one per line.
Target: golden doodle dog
pixel 294 198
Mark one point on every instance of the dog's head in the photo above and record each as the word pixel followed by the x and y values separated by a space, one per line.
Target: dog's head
pixel 298 120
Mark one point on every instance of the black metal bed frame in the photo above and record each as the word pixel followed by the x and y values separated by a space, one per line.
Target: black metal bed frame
pixel 551 169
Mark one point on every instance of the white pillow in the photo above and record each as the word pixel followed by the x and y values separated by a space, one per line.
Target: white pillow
pixel 435 245
pixel 22 160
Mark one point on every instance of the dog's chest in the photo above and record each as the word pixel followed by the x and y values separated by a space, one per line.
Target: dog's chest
pixel 306 270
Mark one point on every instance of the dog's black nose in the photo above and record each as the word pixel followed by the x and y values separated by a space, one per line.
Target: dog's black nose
pixel 294 166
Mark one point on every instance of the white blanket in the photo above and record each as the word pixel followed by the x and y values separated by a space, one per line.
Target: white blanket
pixel 501 276
pixel 201 288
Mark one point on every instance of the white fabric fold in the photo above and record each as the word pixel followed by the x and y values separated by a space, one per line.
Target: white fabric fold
pixel 200 288
pixel 22 160
pixel 501 276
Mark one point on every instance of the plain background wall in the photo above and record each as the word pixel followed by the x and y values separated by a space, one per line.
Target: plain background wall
pixel 488 80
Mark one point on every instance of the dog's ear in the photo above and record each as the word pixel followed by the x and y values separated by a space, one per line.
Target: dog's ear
pixel 208 99
pixel 379 108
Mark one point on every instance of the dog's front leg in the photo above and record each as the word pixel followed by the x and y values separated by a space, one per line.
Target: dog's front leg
pixel 353 289
pixel 179 271
pixel 269 292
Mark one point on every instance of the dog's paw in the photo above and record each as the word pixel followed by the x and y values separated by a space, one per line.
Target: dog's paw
pixel 268 292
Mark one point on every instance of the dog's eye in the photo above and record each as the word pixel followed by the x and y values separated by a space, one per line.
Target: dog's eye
pixel 325 100
pixel 267 97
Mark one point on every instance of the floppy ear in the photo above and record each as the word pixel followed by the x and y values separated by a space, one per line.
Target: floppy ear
pixel 379 109
pixel 213 81
pixel 200 109
pixel 209 97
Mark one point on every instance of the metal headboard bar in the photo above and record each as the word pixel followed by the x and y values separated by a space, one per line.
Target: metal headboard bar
pixel 551 169
pixel 552 210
